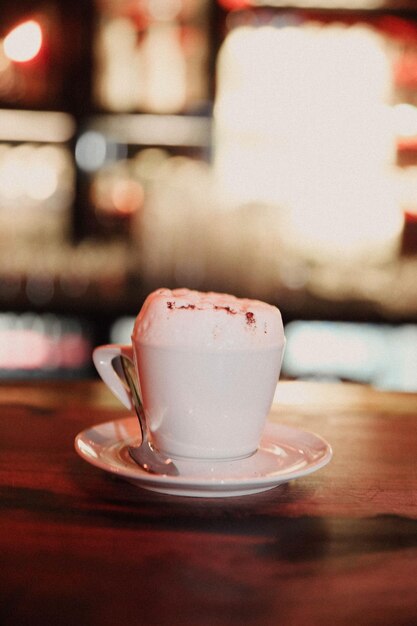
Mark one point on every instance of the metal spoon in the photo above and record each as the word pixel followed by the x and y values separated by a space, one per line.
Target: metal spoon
pixel 145 455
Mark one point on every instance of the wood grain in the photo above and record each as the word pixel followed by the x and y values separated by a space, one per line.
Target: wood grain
pixel 78 546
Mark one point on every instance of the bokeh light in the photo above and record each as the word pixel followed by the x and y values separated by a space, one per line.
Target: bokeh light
pixel 24 42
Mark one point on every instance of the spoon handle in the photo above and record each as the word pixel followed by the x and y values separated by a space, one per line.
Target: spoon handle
pixel 128 366
pixel 145 455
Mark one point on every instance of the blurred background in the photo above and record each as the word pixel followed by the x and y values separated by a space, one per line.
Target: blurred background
pixel 266 149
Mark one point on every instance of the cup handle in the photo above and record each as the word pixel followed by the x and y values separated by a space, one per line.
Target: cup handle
pixel 106 360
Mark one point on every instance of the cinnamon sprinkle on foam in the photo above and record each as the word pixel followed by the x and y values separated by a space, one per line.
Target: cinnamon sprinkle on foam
pixel 250 318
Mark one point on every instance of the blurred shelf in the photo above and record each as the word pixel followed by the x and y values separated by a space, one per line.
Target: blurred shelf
pixel 154 130
pixel 387 294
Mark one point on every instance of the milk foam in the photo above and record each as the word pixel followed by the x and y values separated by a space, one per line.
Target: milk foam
pixel 216 321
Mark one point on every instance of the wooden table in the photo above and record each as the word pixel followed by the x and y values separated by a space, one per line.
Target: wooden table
pixel 80 547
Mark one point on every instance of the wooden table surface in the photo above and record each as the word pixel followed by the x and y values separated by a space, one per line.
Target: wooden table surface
pixel 80 546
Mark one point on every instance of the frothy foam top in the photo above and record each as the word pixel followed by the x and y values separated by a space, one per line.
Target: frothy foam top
pixel 183 317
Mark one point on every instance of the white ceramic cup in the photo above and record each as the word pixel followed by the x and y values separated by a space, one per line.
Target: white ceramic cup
pixel 199 403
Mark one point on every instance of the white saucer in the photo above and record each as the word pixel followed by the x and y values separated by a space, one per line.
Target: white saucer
pixel 284 454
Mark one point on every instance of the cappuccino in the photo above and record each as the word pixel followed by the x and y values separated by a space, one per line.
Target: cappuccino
pixel 216 321
pixel 207 365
